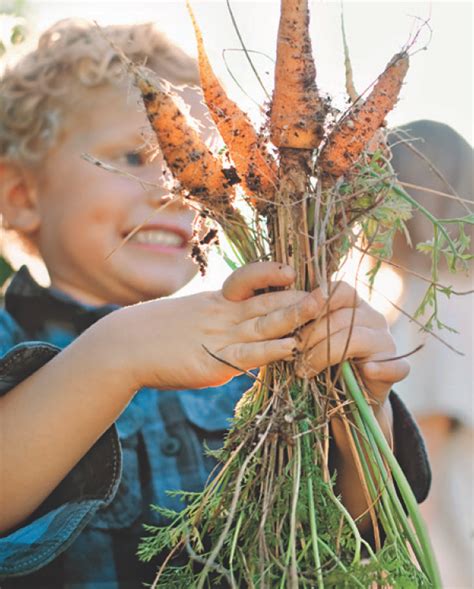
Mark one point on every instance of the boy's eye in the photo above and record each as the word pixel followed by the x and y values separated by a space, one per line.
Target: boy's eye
pixel 134 158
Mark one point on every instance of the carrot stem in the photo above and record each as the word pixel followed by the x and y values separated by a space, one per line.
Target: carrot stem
pixel 402 483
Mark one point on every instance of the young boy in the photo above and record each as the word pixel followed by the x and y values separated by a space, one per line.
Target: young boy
pixel 108 393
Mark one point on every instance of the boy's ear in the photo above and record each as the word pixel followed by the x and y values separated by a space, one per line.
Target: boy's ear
pixel 18 199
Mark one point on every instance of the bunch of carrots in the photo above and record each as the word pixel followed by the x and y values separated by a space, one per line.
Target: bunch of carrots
pixel 271 516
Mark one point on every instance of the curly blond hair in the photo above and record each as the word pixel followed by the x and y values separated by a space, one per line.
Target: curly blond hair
pixel 35 94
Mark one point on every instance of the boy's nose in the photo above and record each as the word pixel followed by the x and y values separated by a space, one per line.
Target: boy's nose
pixel 156 199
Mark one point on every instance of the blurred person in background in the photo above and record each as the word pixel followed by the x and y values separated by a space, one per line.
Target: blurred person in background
pixel 439 389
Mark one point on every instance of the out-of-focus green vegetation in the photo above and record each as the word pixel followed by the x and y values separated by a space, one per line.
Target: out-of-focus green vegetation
pixel 6 270
pixel 12 24
pixel 13 32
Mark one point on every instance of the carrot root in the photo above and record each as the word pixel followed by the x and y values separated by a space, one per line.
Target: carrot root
pixel 351 136
pixel 187 156
pixel 297 113
pixel 253 163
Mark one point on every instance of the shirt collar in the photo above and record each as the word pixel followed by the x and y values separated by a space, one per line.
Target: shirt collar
pixel 32 305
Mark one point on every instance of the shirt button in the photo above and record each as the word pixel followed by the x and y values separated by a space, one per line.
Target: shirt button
pixel 170 446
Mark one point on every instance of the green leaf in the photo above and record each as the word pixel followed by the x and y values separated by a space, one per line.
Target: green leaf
pixel 233 265
pixel 6 270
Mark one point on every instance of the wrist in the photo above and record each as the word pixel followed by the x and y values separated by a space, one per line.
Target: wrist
pixel 343 453
pixel 107 341
pixel 384 415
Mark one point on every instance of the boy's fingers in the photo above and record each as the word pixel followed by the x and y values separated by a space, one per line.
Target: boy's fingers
pixel 338 320
pixel 363 343
pixel 278 323
pixel 256 354
pixel 243 283
pixel 342 296
pixel 377 375
pixel 270 301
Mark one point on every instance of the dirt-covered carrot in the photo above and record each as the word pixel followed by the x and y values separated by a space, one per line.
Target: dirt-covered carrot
pixel 298 113
pixel 186 154
pixel 253 163
pixel 358 127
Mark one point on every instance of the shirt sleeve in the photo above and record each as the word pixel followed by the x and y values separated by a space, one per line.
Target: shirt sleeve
pixel 91 484
pixel 410 449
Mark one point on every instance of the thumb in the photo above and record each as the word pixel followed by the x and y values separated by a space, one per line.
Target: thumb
pixel 243 283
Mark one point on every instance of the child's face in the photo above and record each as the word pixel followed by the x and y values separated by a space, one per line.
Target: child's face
pixel 86 211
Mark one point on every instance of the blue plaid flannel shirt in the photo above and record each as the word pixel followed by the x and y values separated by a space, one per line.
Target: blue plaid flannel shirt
pixel 85 534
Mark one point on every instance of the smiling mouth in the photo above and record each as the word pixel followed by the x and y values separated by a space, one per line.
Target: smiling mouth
pixel 159 237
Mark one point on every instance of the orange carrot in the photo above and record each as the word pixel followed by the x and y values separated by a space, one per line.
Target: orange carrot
pixel 358 127
pixel 253 163
pixel 297 114
pixel 186 154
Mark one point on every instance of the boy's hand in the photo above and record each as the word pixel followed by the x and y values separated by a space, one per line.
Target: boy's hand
pixel 163 342
pixel 348 327
pixel 345 326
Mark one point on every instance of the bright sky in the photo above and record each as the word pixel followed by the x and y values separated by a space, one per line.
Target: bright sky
pixel 438 85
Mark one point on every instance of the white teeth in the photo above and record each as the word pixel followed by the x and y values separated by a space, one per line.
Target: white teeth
pixel 158 236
